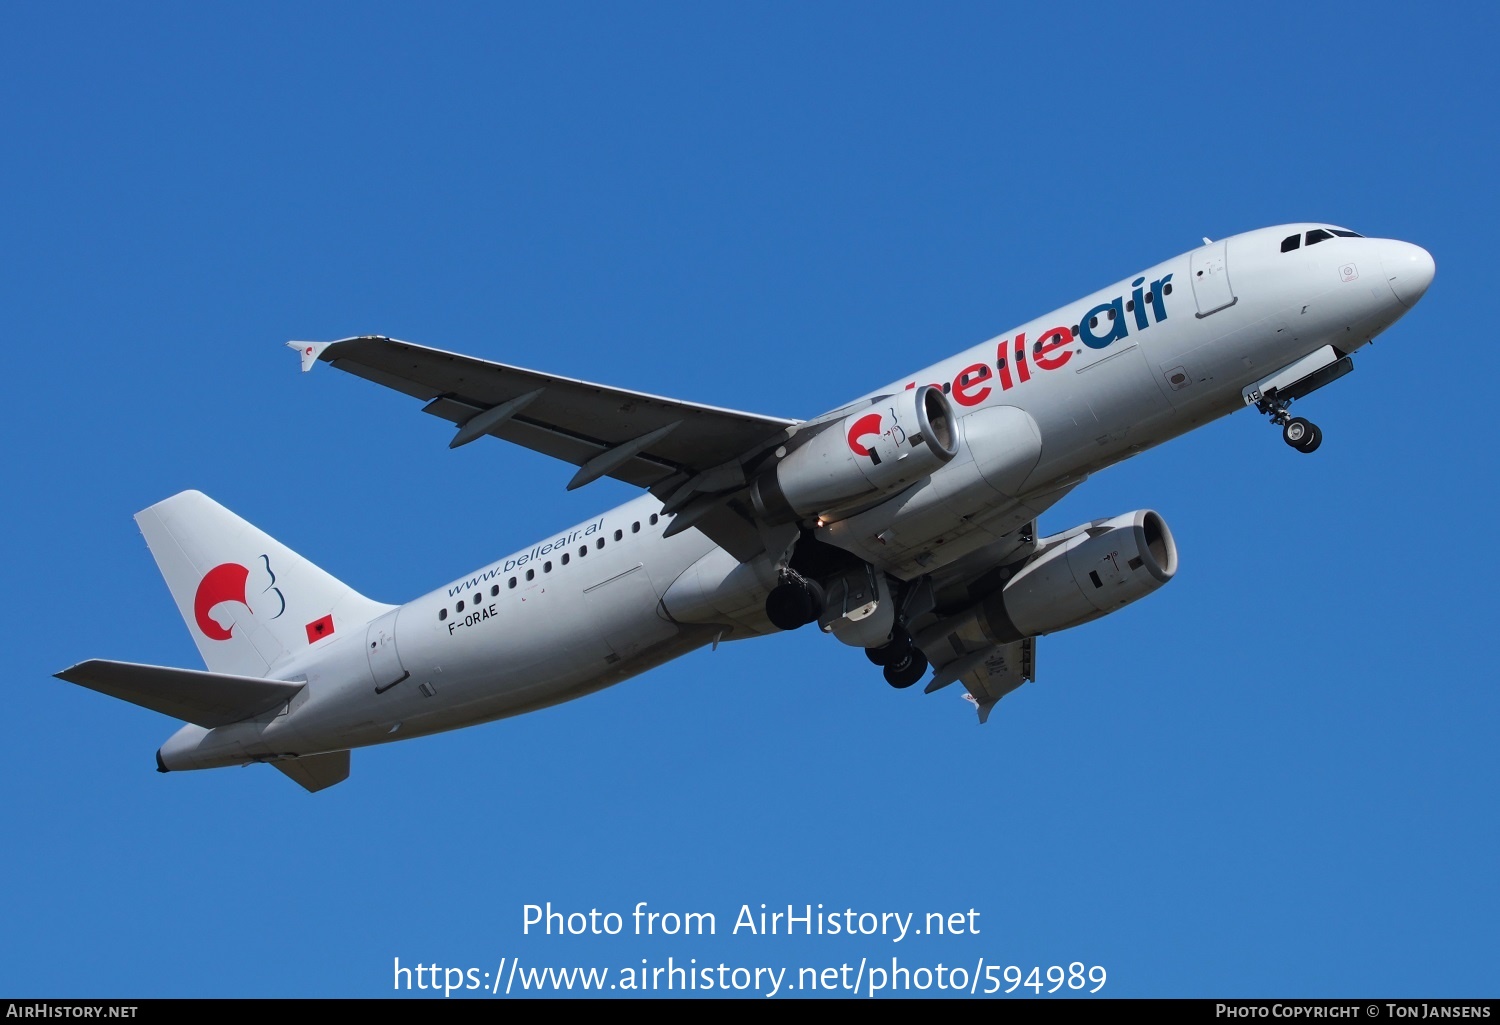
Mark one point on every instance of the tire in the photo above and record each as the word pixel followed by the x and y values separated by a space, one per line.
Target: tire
pixel 897 647
pixel 1312 441
pixel 905 671
pixel 1296 432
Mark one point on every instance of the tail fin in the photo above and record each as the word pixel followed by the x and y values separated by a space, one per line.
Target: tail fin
pixel 249 601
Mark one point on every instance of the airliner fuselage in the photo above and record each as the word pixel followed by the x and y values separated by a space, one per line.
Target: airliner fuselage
pixel 1032 413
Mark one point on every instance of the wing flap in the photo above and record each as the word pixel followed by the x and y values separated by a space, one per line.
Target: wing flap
pixel 1007 667
pixel 987 673
pixel 206 699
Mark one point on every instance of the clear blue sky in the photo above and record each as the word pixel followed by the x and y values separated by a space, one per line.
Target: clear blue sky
pixel 1277 776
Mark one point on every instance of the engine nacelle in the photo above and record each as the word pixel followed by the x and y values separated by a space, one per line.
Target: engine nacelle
pixel 1080 575
pixel 876 451
pixel 719 588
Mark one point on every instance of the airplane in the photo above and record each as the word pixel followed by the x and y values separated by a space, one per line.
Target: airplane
pixel 903 522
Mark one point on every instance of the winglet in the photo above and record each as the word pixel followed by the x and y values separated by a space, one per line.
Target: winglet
pixel 984 708
pixel 310 351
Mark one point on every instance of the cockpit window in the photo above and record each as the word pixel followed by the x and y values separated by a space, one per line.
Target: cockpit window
pixel 1318 235
pixel 1290 242
pixel 1346 234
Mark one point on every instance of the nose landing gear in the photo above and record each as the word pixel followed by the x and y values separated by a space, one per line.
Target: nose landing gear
pixel 1303 435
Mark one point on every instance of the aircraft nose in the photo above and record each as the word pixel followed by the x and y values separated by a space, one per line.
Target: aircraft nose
pixel 1409 269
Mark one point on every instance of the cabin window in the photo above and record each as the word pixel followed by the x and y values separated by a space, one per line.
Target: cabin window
pixel 459 608
pixel 547 566
pixel 653 519
pixel 1166 289
pixel 619 534
pixel 599 543
pixel 512 583
pixel 565 558
pixel 583 550
pixel 635 528
pixel 442 614
pixel 494 590
pixel 531 574
pixel 1290 242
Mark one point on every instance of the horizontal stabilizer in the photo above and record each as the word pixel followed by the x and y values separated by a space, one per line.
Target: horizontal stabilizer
pixel 206 699
pixel 316 772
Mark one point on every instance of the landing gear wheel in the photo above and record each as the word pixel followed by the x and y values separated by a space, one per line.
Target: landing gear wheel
pixel 906 670
pixel 893 649
pixel 1302 435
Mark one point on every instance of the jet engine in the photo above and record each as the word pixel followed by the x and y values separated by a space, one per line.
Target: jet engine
pixel 876 451
pixel 1078 576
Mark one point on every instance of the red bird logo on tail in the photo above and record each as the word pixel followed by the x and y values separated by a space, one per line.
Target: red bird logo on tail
pixel 226 582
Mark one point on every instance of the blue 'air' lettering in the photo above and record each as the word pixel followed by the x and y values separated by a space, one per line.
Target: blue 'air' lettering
pixel 1099 328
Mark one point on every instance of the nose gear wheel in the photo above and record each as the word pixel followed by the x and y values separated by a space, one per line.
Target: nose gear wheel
pixel 1301 434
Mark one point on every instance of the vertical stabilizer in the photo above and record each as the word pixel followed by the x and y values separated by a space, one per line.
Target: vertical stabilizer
pixel 250 602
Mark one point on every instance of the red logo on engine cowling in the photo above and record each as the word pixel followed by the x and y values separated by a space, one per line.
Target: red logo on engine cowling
pixel 225 582
pixel 865 425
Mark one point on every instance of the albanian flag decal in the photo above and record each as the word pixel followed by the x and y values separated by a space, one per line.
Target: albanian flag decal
pixel 319 628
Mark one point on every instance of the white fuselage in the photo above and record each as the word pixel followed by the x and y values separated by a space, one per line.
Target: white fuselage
pixel 1152 356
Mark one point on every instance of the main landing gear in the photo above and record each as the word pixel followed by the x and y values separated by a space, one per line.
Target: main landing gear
pixel 1303 435
pixel 903 662
pixel 798 600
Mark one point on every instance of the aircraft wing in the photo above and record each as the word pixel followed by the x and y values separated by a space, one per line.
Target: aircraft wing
pixel 988 673
pixel 676 448
pixel 576 421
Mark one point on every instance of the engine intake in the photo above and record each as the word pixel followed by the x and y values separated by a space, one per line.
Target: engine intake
pixel 879 450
